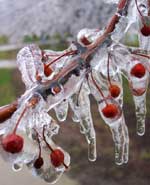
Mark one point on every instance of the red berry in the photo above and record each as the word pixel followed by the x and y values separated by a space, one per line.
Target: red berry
pixel 47 70
pixel 114 90
pixel 38 163
pixel 85 41
pixel 56 89
pixel 38 78
pixel 138 70
pixel 110 111
pixel 57 157
pixel 145 30
pixel 12 143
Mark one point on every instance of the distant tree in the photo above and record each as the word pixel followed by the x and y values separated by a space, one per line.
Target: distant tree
pixel 4 39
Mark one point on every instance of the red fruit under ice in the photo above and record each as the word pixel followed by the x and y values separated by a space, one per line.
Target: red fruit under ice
pixel 110 111
pixel 145 30
pixel 114 91
pixel 12 143
pixel 57 157
pixel 138 70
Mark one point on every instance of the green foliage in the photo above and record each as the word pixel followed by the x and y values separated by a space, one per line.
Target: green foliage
pixel 67 35
pixel 35 38
pixel 3 39
pixel 127 92
pixel 148 102
pixel 4 55
pixel 57 36
pixel 31 38
pixel 6 88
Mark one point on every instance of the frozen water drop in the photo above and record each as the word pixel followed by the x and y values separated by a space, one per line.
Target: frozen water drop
pixel 17 167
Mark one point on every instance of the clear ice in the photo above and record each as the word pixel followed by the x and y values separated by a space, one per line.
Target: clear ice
pixel 60 80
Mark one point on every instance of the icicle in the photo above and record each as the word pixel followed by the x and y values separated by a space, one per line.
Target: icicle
pixel 62 110
pixel 82 111
pixel 140 110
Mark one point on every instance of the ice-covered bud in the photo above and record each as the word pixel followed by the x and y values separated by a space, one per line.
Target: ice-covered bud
pixel 86 36
pixel 56 89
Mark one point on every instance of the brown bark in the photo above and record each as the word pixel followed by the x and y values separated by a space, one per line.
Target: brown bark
pixel 7 111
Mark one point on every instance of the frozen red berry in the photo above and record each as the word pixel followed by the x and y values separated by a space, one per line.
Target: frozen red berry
pixel 56 89
pixel 138 70
pixel 47 70
pixel 38 163
pixel 114 91
pixel 57 157
pixel 85 41
pixel 110 110
pixel 145 30
pixel 12 143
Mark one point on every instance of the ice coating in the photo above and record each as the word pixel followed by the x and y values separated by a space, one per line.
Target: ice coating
pixel 62 110
pixel 81 109
pixel 59 80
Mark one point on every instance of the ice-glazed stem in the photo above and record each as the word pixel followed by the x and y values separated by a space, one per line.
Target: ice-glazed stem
pixel 82 110
pixel 89 132
pixel 61 110
pixel 140 110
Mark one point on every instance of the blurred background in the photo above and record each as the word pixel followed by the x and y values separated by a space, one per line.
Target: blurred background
pixel 53 24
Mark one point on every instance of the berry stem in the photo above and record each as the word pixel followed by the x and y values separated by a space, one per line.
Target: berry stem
pixel 98 88
pixel 44 138
pixel 32 102
pixel 63 55
pixel 142 55
pixel 17 124
pixel 38 140
pixel 63 72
